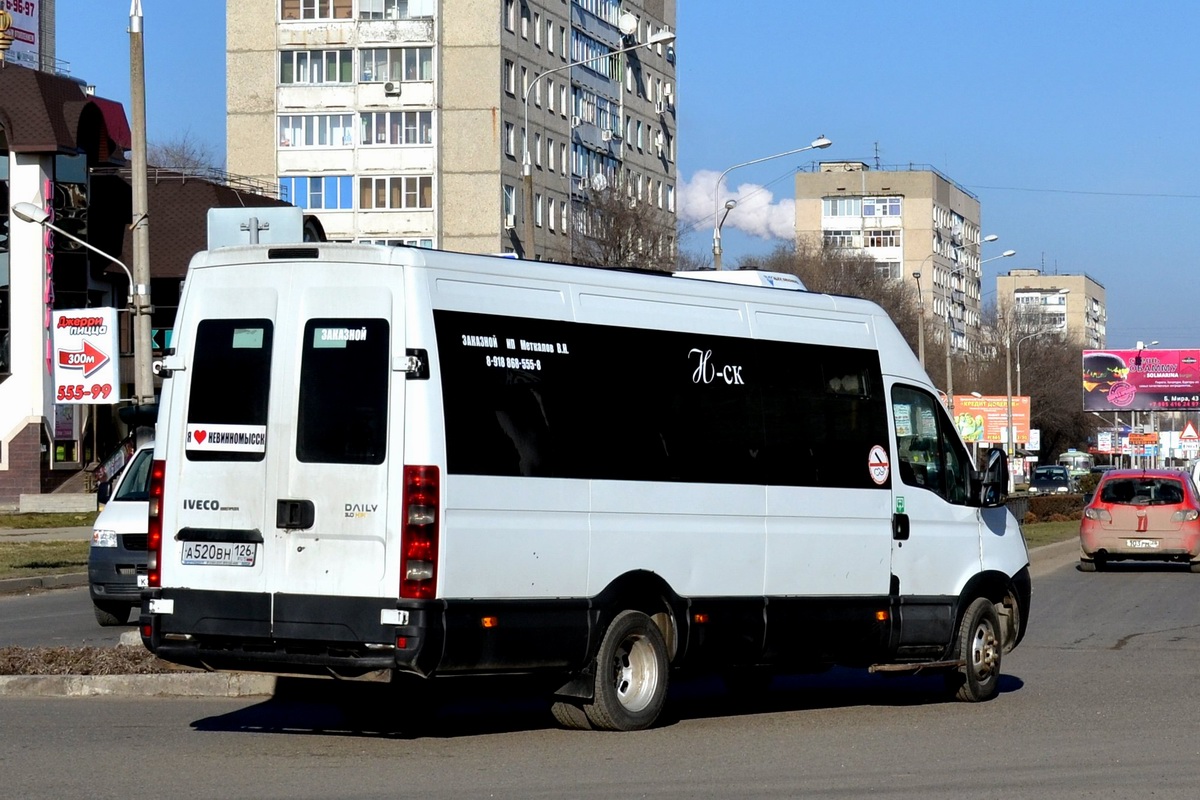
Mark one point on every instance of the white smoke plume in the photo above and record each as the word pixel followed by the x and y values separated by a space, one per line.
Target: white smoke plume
pixel 758 213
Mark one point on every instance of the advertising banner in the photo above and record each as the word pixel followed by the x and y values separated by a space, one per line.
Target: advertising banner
pixel 19 22
pixel 985 419
pixel 86 352
pixel 1141 380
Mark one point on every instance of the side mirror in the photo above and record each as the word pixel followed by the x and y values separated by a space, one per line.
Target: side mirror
pixel 103 491
pixel 993 488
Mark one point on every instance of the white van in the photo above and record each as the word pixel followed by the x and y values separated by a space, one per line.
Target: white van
pixel 117 554
pixel 375 461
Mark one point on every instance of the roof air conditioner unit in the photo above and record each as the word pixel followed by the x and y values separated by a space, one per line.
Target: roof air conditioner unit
pixel 576 122
pixel 607 136
pixel 510 222
pixel 391 87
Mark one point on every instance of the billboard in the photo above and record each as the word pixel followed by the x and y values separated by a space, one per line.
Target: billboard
pixel 985 419
pixel 86 352
pixel 19 21
pixel 1141 380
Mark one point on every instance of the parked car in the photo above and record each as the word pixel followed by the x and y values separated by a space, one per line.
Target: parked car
pixel 117 556
pixel 1142 515
pixel 1050 479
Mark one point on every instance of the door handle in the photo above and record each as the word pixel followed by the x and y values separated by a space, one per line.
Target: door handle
pixel 295 514
pixel 900 527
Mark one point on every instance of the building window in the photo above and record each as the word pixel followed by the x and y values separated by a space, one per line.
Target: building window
pixel 426 243
pixel 841 206
pixel 396 127
pixel 316 130
pixel 888 269
pixel 510 77
pixel 315 67
pixel 315 9
pixel 843 238
pixel 395 193
pixel 888 237
pixel 394 9
pixel 881 207
pixel 404 64
pixel 510 15
pixel 510 200
pixel 524 21
pixel 318 192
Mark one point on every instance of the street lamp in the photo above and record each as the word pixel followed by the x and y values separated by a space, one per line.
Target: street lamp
pixel 820 143
pixel 730 205
pixel 527 165
pixel 920 320
pixel 949 345
pixel 138 297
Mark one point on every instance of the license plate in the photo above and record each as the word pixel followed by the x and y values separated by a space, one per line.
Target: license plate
pixel 1141 544
pixel 220 554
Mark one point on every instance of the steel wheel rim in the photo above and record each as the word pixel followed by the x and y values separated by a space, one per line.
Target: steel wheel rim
pixel 984 651
pixel 635 673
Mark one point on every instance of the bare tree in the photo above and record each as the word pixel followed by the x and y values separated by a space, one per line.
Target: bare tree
pixel 615 230
pixel 183 153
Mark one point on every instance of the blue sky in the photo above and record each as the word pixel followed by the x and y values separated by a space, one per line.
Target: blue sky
pixel 1073 121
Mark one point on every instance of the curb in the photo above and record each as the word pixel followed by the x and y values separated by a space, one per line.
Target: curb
pixel 192 684
pixel 65 581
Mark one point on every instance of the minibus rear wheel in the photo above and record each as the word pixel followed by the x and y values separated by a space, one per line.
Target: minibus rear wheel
pixel 631 675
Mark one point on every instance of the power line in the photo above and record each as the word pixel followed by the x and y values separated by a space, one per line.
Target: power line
pixel 1086 192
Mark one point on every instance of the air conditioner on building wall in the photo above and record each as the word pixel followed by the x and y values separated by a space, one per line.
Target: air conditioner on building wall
pixel 391 87
pixel 660 106
pixel 576 122
pixel 607 136
pixel 510 222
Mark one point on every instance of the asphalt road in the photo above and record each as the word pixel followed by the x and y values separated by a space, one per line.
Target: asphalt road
pixel 57 618
pixel 1097 702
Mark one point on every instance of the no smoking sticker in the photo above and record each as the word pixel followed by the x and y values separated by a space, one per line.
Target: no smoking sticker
pixel 877 464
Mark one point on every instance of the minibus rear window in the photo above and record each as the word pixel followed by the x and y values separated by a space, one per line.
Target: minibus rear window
pixel 230 384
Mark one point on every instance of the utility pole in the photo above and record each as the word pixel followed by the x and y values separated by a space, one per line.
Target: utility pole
pixel 140 226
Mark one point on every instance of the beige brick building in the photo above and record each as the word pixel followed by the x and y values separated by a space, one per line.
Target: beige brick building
pixel 403 121
pixel 918 225
pixel 1039 301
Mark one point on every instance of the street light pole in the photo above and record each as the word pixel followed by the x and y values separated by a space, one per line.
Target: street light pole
pixel 949 344
pixel 526 163
pixel 820 143
pixel 730 205
pixel 920 320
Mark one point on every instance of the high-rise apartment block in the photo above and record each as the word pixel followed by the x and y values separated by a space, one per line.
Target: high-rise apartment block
pixel 919 226
pixel 1072 303
pixel 410 121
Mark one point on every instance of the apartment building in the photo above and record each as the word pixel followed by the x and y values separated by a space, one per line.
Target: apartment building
pixel 1074 303
pixel 410 121
pixel 918 225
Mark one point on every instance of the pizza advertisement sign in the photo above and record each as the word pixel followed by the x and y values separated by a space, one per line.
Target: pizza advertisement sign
pixel 1141 380
pixel 86 356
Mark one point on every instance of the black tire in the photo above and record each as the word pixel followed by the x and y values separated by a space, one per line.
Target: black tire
pixel 570 716
pixel 631 675
pixel 980 646
pixel 109 613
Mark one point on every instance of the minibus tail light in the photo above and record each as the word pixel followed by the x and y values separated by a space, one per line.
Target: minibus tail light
pixel 154 530
pixel 419 536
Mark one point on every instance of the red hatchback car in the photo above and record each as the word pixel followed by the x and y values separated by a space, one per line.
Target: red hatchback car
pixel 1141 515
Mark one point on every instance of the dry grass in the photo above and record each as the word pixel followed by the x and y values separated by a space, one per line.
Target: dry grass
pixel 27 559
pixel 125 660
pixel 65 520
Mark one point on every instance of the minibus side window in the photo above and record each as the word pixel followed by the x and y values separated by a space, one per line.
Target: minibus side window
pixel 929 456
